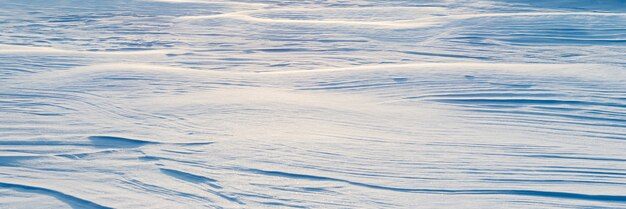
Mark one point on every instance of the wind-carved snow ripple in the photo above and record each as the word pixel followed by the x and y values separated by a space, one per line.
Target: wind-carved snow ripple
pixel 321 134
pixel 576 108
pixel 311 104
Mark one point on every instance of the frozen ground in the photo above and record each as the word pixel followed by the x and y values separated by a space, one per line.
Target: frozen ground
pixel 312 104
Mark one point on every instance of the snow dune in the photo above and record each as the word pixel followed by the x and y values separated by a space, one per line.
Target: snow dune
pixel 312 104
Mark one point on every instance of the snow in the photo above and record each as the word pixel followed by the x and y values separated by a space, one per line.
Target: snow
pixel 312 104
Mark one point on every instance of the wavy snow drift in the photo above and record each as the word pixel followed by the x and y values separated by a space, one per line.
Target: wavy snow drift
pixel 312 104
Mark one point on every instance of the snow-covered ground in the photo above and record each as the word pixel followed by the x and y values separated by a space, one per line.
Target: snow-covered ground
pixel 312 104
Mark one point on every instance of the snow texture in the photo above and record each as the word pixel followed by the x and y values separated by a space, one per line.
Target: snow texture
pixel 312 104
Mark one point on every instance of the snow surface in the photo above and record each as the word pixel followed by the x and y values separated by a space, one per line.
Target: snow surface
pixel 312 104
